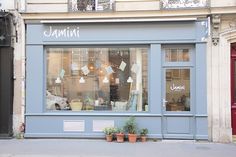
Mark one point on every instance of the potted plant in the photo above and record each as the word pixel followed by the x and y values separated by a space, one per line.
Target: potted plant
pixel 143 134
pixel 109 131
pixel 120 135
pixel 131 128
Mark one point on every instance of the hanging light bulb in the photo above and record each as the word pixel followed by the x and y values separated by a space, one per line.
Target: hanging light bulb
pixel 105 80
pixel 58 80
pixel 91 66
pixel 130 80
pixel 82 80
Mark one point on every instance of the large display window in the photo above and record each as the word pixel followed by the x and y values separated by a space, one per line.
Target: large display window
pixel 97 79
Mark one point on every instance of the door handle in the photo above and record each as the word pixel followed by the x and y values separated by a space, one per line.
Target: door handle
pixel 164 102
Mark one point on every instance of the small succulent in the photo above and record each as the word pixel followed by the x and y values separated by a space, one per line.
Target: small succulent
pixel 131 126
pixel 119 130
pixel 143 132
pixel 109 130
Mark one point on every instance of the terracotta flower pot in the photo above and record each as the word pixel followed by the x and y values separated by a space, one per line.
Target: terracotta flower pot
pixel 132 138
pixel 143 138
pixel 109 138
pixel 120 137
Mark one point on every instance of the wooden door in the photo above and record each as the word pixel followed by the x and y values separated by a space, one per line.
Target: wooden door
pixel 233 87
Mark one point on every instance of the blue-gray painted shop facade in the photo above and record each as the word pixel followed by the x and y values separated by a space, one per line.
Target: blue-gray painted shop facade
pixel 82 77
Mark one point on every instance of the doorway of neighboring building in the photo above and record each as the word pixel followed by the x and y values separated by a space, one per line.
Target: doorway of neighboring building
pixel 6 91
pixel 233 87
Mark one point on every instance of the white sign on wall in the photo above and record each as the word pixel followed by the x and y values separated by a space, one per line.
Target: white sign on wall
pixel 74 125
pixel 99 125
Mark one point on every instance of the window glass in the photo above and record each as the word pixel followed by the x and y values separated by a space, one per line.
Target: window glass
pixel 97 79
pixel 177 55
pixel 177 90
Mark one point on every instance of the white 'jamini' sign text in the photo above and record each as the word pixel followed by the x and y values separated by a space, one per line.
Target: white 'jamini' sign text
pixel 177 88
pixel 64 32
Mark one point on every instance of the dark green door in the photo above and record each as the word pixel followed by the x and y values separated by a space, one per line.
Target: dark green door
pixel 6 91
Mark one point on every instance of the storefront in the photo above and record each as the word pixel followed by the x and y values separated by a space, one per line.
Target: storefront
pixel 82 77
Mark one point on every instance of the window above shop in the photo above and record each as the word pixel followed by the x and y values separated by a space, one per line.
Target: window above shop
pixel 90 5
pixel 175 4
pixel 97 79
pixel 177 55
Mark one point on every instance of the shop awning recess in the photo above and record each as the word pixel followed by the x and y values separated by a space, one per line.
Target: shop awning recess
pixel 119 20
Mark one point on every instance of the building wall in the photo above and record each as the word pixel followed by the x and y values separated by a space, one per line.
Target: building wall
pixel 46 6
pixel 222 3
pixel 137 5
pixel 62 5
pixel 18 37
pixel 218 64
pixel 19 51
pixel 219 89
pixel 7 5
pixel 119 5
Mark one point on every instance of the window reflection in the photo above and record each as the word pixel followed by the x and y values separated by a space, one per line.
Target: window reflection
pixel 102 79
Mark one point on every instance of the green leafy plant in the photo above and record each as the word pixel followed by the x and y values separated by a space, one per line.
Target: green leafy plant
pixel 120 135
pixel 119 130
pixel 131 125
pixel 143 132
pixel 109 130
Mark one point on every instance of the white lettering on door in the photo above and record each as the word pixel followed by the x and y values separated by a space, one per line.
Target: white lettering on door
pixel 177 88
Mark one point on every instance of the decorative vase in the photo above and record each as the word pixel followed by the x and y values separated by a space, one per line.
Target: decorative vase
pixel 120 137
pixel 76 105
pixel 132 138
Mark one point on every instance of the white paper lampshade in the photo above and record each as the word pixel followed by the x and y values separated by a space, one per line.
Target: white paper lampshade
pixel 105 80
pixel 58 80
pixel 82 80
pixel 130 80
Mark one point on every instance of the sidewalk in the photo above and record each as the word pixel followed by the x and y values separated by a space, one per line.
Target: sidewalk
pixel 101 148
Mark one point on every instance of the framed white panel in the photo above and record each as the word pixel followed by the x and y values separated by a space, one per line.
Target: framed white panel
pixel 99 125
pixel 73 125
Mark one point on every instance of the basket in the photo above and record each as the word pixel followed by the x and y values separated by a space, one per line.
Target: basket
pixel 76 105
